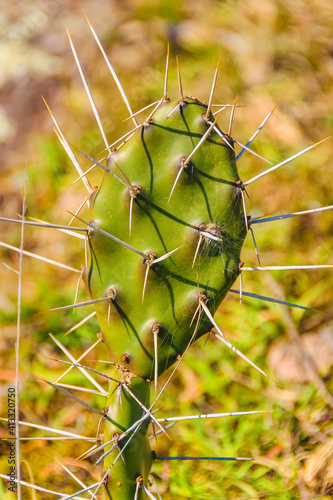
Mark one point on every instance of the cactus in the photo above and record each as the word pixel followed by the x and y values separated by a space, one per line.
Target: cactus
pixel 164 237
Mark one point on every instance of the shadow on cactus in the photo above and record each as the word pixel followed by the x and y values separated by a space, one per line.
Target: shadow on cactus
pixel 163 243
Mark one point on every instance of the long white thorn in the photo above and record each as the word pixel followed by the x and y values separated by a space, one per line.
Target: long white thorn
pixel 50 429
pixel 165 93
pixel 220 336
pixel 232 116
pixel 40 223
pixel 252 152
pixel 141 110
pixel 203 458
pixel 244 208
pixel 258 220
pixel 210 415
pixel 39 488
pixel 79 304
pixel 190 156
pixel 83 389
pixel 213 88
pixel 73 360
pixel 255 245
pixel 113 72
pixel 68 150
pixel 87 89
pixel 197 249
pixel 270 299
pixel 39 257
pixel 18 343
pixel 76 478
pixel 83 403
pixel 286 268
pixel 78 360
pixel 148 493
pixel 180 86
pixel 282 163
pixel 126 136
pixel 259 129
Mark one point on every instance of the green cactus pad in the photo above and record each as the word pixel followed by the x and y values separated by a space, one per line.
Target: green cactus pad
pixel 204 218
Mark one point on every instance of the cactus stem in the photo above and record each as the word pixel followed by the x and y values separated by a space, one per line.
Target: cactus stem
pixel 68 150
pixel 39 257
pixel 258 220
pixel 82 322
pixel 113 72
pixel 87 89
pixel 78 360
pixel 213 88
pixel 284 162
pixel 259 129
pixel 165 93
pixel 119 438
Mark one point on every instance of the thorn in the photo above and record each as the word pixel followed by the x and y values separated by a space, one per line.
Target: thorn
pixel 87 89
pixel 255 245
pixel 281 164
pixel 213 88
pixel 259 129
pixel 220 336
pixel 185 160
pixel 232 116
pixel 73 360
pixel 258 220
pixel 141 110
pixel 211 415
pixel 197 249
pixel 156 329
pixel 38 257
pixel 285 268
pixel 68 150
pixel 113 72
pixel 165 94
pixel 181 97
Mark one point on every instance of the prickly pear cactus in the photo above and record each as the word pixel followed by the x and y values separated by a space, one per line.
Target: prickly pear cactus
pixel 162 247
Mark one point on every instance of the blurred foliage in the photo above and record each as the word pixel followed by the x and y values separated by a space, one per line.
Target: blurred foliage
pixel 271 51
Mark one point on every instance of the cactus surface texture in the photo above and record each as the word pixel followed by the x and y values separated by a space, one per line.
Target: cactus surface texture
pixel 163 234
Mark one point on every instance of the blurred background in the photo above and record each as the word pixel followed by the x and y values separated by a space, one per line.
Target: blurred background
pixel 273 51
